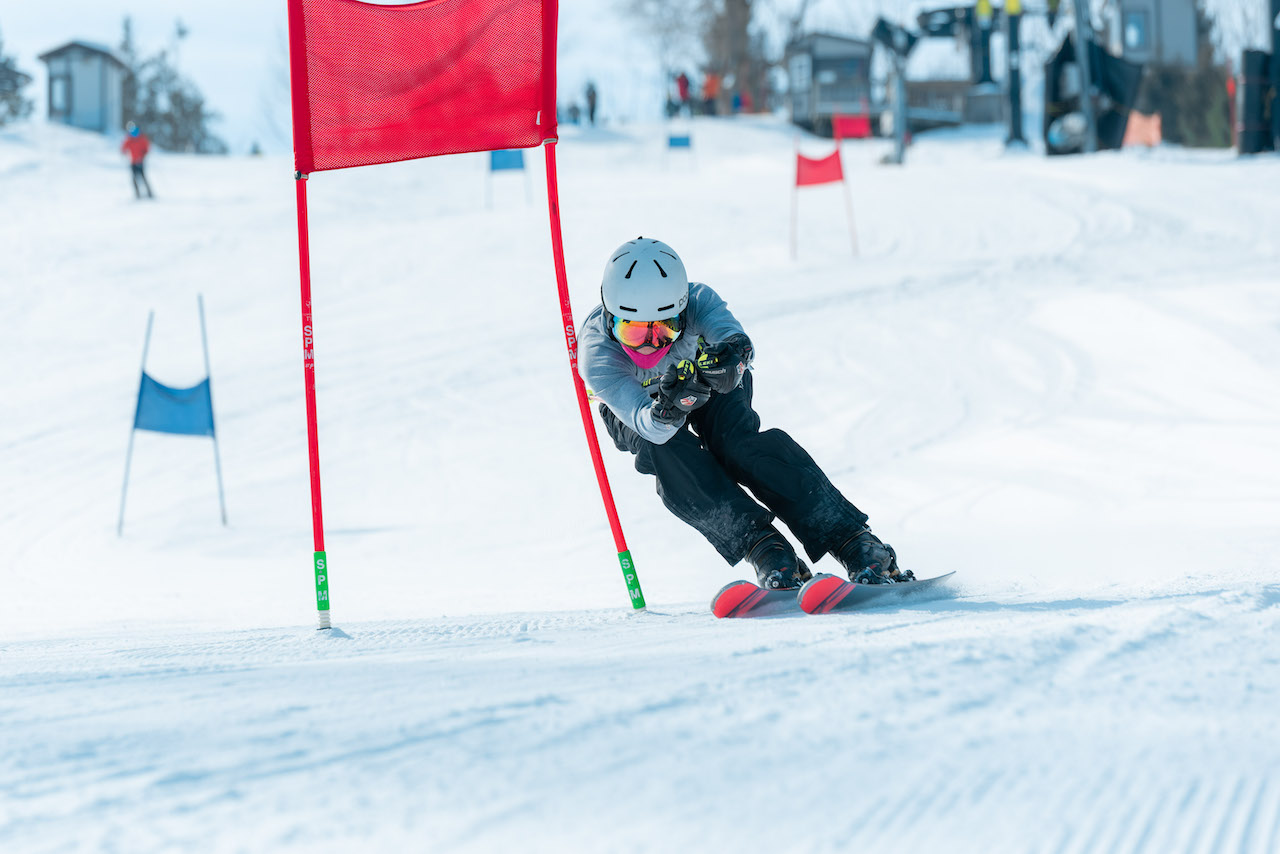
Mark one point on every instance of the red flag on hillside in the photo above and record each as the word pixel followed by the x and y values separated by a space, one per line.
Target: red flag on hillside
pixel 377 84
pixel 824 171
pixel 851 127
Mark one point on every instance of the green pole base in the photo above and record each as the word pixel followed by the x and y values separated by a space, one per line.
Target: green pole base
pixel 322 590
pixel 633 581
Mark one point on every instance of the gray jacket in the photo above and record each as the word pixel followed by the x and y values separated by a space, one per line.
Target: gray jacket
pixel 627 390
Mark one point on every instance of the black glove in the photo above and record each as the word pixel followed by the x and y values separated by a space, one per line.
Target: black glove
pixel 679 393
pixel 722 365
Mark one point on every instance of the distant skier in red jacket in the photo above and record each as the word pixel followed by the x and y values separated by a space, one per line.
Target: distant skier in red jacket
pixel 136 145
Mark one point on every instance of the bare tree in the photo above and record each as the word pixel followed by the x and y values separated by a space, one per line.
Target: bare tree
pixel 736 48
pixel 1238 25
pixel 169 107
pixel 673 25
pixel 795 21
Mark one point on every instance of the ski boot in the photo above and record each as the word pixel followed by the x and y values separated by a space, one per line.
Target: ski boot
pixel 869 561
pixel 776 564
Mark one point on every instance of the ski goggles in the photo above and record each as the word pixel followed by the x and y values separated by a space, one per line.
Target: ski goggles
pixel 655 333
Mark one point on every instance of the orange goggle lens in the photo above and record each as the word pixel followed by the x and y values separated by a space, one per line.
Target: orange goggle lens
pixel 637 333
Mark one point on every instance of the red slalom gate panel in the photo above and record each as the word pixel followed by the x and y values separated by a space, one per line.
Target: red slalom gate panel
pixel 851 127
pixel 823 171
pixel 378 84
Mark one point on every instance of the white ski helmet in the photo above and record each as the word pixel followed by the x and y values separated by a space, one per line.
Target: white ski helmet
pixel 644 280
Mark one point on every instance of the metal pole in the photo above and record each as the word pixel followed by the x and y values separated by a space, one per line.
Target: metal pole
pixel 1013 11
pixel 208 373
pixel 1084 38
pixel 795 196
pixel 986 17
pixel 899 108
pixel 795 201
pixel 128 455
pixel 309 378
pixel 848 206
pixel 1275 74
pixel 571 340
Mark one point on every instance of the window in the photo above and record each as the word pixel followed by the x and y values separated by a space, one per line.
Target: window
pixel 801 72
pixel 1136 31
pixel 58 91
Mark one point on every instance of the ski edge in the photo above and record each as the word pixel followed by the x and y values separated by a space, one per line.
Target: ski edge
pixel 820 596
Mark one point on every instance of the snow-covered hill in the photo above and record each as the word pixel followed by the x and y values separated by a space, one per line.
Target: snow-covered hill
pixel 1059 378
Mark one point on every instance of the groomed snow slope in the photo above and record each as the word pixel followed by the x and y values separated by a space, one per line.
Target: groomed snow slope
pixel 1060 378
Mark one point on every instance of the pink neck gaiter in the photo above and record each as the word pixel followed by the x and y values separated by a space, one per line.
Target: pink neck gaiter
pixel 646 362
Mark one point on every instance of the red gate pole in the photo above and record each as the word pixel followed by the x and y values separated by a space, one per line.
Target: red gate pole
pixel 571 340
pixel 309 378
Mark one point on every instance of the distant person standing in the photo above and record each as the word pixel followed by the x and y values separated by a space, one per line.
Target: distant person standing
pixel 591 103
pixel 682 89
pixel 710 92
pixel 136 145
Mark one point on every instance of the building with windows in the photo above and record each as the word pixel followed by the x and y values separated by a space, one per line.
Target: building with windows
pixel 86 86
pixel 1159 32
pixel 828 75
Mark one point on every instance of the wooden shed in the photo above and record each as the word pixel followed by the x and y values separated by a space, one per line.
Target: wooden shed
pixel 828 75
pixel 86 86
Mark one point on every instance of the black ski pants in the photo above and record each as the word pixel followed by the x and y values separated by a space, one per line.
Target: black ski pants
pixel 702 469
pixel 140 175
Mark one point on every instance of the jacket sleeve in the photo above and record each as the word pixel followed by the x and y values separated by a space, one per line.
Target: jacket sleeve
pixel 711 316
pixel 608 373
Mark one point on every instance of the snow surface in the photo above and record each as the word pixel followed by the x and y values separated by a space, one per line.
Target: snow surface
pixel 1060 378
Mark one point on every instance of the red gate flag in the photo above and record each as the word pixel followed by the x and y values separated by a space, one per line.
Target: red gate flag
pixel 851 127
pixel 374 83
pixel 824 171
pixel 377 84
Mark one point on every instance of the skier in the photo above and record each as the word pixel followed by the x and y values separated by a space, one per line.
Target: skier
pixel 671 366
pixel 682 89
pixel 136 145
pixel 591 103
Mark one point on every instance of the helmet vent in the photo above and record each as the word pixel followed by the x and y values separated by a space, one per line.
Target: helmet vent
pixel 619 255
pixel 629 269
pixel 656 264
pixel 665 307
pixel 628 308
pixel 668 254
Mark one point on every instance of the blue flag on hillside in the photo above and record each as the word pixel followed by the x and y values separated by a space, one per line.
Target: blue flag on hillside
pixel 186 411
pixel 182 411
pixel 508 159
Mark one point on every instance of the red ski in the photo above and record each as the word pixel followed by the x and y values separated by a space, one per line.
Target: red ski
pixel 744 599
pixel 824 594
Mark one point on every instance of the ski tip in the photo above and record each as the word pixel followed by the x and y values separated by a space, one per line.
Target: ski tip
pixel 731 597
pixel 818 590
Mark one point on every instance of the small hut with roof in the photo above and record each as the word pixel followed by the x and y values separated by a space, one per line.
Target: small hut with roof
pixel 86 86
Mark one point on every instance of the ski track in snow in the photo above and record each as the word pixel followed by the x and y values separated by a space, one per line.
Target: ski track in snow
pixel 605 730
pixel 1060 378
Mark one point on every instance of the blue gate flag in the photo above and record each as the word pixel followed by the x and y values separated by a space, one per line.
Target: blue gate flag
pixel 685 141
pixel 509 159
pixel 186 411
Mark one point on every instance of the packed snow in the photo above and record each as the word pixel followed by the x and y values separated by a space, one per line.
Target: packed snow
pixel 1059 378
